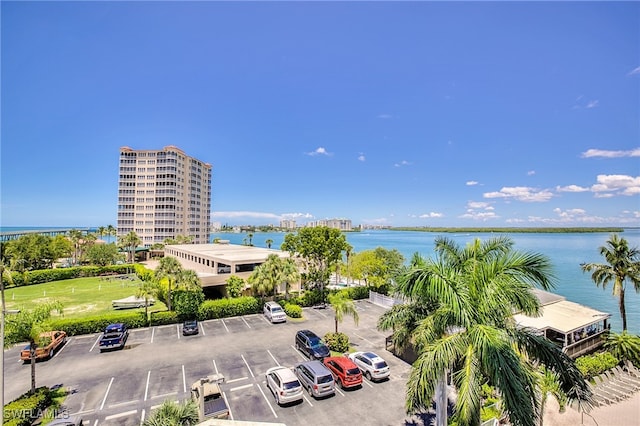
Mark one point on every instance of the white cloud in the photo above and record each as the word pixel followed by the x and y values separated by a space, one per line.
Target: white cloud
pixel 531 172
pixel 610 154
pixel 296 216
pixel 402 163
pixel 431 215
pixel 521 193
pixel 635 71
pixel 592 104
pixel 582 102
pixel 361 157
pixel 478 205
pixel 319 151
pixel 616 185
pixel 471 183
pixel 482 216
pixel 571 188
pixel 570 213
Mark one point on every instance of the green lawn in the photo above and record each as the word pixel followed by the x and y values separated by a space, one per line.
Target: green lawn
pixel 80 296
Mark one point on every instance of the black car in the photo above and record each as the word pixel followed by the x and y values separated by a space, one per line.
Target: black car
pixel 190 327
pixel 114 337
pixel 311 345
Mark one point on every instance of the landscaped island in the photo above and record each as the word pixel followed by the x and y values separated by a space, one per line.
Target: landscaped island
pixel 511 230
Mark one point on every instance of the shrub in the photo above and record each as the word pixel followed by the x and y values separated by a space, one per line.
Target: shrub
pixel 223 308
pixel 88 325
pixel 27 407
pixel 186 302
pixel 164 318
pixel 592 365
pixel 337 342
pixel 48 275
pixel 356 293
pixel 293 311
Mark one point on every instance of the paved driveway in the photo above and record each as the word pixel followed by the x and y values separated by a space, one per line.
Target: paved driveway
pixel 158 363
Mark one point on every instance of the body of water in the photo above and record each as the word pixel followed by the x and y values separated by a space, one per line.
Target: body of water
pixel 566 251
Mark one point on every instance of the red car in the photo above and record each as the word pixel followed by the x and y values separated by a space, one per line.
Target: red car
pixel 345 371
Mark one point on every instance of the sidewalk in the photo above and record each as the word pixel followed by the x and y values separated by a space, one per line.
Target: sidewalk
pixel 625 413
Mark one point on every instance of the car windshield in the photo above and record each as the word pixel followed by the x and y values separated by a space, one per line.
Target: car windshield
pixel 276 309
pixel 353 371
pixel 111 335
pixel 325 379
pixel 190 324
pixel 315 342
pixel 292 385
pixel 380 364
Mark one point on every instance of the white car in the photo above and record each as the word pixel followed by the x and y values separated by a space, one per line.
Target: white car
pixel 284 385
pixel 372 366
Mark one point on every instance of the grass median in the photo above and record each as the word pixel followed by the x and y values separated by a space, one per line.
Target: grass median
pixel 80 296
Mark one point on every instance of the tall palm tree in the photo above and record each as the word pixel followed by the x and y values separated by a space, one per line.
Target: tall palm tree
pixel 265 278
pixel 622 266
pixel 129 242
pixel 288 273
pixel 624 346
pixel 111 231
pixel 471 294
pixel 101 231
pixel 28 325
pixel 146 290
pixel 170 269
pixel 174 414
pixel 76 237
pixel 342 306
pixel 268 242
pixel 188 280
pixel 548 385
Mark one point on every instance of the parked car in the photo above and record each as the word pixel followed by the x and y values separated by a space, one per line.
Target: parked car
pixel 48 345
pixel 345 372
pixel 316 378
pixel 274 312
pixel 284 385
pixel 114 337
pixel 190 327
pixel 311 345
pixel 372 366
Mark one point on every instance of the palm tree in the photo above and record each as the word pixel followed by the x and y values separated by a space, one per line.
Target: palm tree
pixel 169 268
pixel 76 237
pixel 264 279
pixel 250 235
pixel 548 385
pixel 28 325
pixel 174 414
pixel 471 294
pixel 101 231
pixel 268 242
pixel 146 290
pixel 622 266
pixel 130 242
pixel 288 274
pixel 111 231
pixel 342 306
pixel 188 280
pixel 624 346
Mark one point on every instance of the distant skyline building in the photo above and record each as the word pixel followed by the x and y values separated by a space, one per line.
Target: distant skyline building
pixel 341 224
pixel 288 224
pixel 162 194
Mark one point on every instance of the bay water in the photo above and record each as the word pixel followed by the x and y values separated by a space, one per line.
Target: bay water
pixel 565 250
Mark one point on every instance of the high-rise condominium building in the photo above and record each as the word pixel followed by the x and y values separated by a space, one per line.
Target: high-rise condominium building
pixel 162 194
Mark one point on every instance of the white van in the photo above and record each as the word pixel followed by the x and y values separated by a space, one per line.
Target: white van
pixel 274 312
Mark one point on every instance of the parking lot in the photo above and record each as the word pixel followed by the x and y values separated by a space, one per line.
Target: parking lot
pixel 158 363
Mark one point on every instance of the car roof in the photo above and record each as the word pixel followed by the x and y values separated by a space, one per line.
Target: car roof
pixel 285 373
pixel 308 333
pixel 116 326
pixel 372 356
pixel 342 360
pixel 315 366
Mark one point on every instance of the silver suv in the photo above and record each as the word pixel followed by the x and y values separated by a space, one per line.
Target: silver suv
pixel 316 378
pixel 274 312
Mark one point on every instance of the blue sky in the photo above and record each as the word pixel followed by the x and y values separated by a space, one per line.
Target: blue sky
pixel 411 113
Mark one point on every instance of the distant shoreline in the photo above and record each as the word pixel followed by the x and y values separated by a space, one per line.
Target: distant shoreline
pixel 571 230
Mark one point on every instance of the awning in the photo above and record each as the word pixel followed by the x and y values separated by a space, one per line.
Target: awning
pixel 563 316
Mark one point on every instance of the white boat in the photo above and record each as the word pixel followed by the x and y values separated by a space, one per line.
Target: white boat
pixel 131 302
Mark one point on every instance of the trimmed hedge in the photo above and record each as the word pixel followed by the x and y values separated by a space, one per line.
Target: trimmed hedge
pixel 28 407
pixel 223 308
pixel 48 275
pixel 293 311
pixel 338 342
pixel 97 324
pixel 593 365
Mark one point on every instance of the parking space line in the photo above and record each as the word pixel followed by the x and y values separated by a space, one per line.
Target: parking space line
pixel 115 416
pixel 273 357
pixel 241 387
pixel 245 322
pixel 142 416
pixel 237 380
pixel 247 364
pixel 268 403
pixel 339 391
pixel 305 398
pixel 184 380
pixel 298 352
pixel 178 330
pixel 83 336
pixel 224 395
pixel 121 404
pixel 366 382
pixel 153 332
pixel 366 340
pixel 94 344
pixel 165 395
pixel 321 314
pixel 146 388
pixel 202 327
pixel 215 367
pixel 225 325
pixel 106 394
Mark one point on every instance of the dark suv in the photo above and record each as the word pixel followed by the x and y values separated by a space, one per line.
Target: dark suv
pixel 311 345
